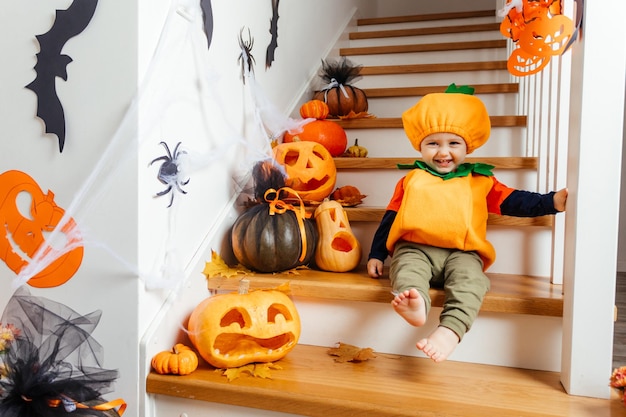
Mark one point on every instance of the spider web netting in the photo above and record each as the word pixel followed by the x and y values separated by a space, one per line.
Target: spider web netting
pixel 50 365
pixel 180 55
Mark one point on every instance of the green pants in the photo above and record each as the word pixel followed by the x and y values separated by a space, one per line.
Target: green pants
pixel 459 273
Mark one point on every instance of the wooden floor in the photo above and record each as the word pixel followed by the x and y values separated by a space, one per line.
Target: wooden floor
pixel 619 334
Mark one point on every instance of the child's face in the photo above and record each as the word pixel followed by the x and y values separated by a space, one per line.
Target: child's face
pixel 443 152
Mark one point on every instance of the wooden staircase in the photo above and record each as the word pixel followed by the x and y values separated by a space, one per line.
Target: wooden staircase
pixel 399 382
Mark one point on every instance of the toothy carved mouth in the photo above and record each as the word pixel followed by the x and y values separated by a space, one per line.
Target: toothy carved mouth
pixel 232 345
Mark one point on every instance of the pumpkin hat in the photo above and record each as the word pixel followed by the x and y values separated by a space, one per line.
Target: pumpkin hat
pixel 452 112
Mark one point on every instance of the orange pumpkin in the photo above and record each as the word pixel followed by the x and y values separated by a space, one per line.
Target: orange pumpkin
pixel 338 249
pixel 315 109
pixel 181 360
pixel 325 132
pixel 232 330
pixel 310 169
pixel 28 233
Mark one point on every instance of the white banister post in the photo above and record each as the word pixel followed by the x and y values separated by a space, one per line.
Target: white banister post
pixel 591 225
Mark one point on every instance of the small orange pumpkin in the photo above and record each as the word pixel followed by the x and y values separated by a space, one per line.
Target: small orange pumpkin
pixel 232 330
pixel 338 249
pixel 315 109
pixel 310 168
pixel 325 132
pixel 181 360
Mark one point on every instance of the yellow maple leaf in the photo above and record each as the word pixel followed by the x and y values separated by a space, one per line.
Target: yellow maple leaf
pixel 217 267
pixel 257 370
pixel 349 353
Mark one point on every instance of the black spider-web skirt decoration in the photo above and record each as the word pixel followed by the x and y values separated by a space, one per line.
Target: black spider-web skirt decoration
pixel 53 366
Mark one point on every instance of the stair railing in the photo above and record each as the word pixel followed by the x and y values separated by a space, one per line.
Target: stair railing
pixel 544 98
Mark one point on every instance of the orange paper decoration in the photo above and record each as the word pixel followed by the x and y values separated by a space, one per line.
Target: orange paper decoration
pixel 540 32
pixel 22 237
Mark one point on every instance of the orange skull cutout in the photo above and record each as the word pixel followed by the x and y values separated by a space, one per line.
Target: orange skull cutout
pixel 310 168
pixel 22 237
pixel 338 250
pixel 232 330
pixel 547 36
pixel 521 63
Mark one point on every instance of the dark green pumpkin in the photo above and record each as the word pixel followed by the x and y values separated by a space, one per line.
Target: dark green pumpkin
pixel 271 243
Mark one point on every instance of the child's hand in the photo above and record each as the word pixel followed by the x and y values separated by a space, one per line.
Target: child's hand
pixel 560 198
pixel 375 268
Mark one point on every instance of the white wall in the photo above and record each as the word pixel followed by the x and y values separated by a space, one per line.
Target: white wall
pixel 122 98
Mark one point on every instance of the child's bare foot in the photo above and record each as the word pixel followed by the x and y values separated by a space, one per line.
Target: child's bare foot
pixel 440 344
pixel 410 305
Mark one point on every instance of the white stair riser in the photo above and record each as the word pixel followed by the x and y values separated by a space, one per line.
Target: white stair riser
pixel 529 258
pixel 422 39
pixel 434 78
pixel 497 104
pixel 504 141
pixel 531 342
pixel 429 24
pixel 431 57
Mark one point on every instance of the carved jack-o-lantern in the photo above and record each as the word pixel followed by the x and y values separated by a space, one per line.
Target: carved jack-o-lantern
pixel 310 169
pixel 232 330
pixel 338 250
pixel 21 237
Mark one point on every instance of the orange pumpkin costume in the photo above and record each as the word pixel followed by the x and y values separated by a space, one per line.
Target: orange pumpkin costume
pixel 439 221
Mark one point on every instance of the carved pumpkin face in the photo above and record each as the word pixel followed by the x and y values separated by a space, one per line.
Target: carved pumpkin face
pixel 310 169
pixel 232 330
pixel 21 237
pixel 338 250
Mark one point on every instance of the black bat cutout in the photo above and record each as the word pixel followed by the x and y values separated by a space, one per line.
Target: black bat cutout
pixel 269 54
pixel 51 63
pixel 207 14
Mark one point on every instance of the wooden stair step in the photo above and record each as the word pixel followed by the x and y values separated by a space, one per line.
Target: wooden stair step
pixel 396 122
pixel 427 68
pixel 311 383
pixel 425 17
pixel 499 162
pixel 516 294
pixel 427 47
pixel 439 30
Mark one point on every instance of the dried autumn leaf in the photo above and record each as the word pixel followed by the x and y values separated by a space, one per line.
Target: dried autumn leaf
pixel 257 370
pixel 359 115
pixel 217 267
pixel 350 353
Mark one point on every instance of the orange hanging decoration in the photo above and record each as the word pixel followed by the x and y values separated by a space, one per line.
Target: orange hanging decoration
pixel 22 237
pixel 539 30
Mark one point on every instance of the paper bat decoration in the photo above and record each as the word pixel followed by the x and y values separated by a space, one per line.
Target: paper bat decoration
pixel 207 14
pixel 51 63
pixel 269 55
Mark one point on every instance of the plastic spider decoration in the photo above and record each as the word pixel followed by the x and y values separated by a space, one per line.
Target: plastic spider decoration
pixel 245 57
pixel 169 172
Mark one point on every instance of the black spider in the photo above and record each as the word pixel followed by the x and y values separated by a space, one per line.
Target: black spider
pixel 246 54
pixel 168 172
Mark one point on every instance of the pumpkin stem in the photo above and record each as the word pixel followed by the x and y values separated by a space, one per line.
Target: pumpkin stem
pixel 244 286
